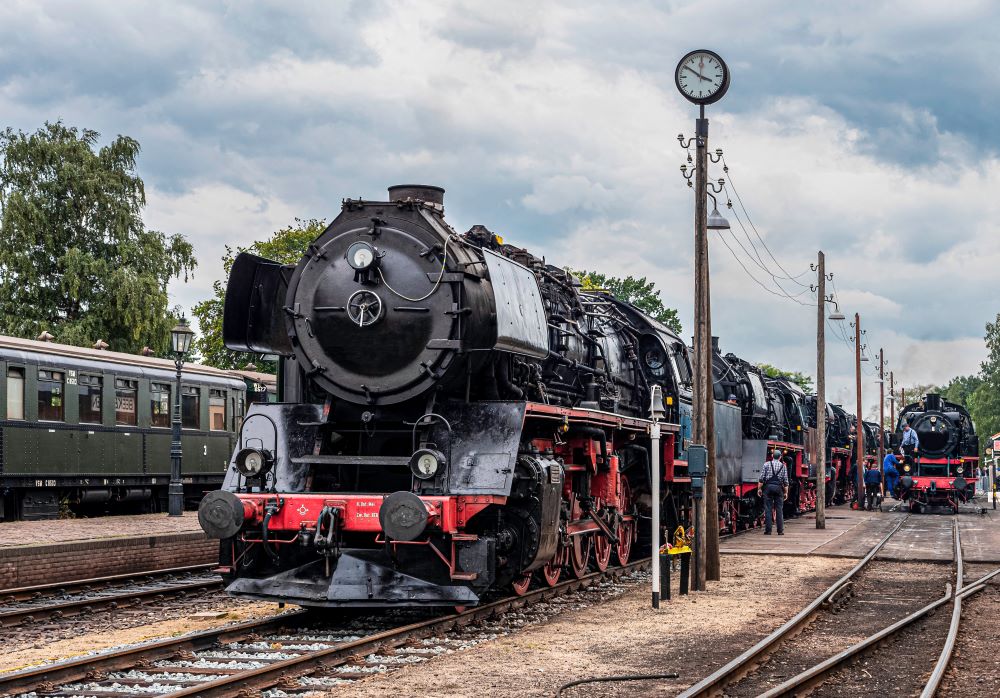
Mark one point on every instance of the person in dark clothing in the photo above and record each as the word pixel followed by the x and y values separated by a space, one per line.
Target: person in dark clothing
pixel 773 487
pixel 890 468
pixel 873 486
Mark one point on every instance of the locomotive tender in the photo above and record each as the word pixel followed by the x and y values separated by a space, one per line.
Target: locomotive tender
pixel 458 416
pixel 942 471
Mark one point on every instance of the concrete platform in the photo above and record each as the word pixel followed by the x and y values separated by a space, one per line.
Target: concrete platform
pixel 853 533
pixel 42 552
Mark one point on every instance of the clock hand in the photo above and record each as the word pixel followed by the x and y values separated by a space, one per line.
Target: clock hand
pixel 698 75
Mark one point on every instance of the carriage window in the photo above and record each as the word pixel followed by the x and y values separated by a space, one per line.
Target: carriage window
pixel 15 393
pixel 125 394
pixel 217 410
pixel 50 395
pixel 159 404
pixel 90 399
pixel 190 407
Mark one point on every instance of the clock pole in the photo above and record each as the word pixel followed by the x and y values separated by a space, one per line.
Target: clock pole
pixel 702 77
pixel 707 508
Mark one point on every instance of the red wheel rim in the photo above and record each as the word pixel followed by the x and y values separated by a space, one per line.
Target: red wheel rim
pixel 602 551
pixel 579 554
pixel 552 570
pixel 521 585
pixel 624 548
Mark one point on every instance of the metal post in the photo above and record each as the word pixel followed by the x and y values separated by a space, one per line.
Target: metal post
pixel 175 492
pixel 993 484
pixel 859 442
pixel 821 393
pixel 881 414
pixel 702 336
pixel 654 436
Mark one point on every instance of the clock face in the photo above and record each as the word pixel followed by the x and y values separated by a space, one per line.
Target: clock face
pixel 702 77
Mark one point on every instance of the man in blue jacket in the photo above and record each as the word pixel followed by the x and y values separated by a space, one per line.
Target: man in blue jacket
pixel 873 486
pixel 890 468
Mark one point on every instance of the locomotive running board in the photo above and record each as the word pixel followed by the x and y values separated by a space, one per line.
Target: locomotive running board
pixel 358 579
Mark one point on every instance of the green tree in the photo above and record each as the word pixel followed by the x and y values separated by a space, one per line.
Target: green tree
pixel 984 402
pixel 285 246
pixel 802 380
pixel 75 257
pixel 639 292
pixel 960 388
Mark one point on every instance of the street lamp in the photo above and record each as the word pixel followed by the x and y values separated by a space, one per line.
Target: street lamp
pixel 180 343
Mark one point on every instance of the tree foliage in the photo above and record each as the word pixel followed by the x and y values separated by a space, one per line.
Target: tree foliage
pixel 960 388
pixel 285 246
pixel 984 402
pixel 802 380
pixel 639 292
pixel 75 257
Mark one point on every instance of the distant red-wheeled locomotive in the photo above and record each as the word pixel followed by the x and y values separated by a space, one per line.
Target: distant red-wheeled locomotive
pixel 941 471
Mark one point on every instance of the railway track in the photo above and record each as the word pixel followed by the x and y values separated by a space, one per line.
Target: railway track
pixel 753 672
pixel 288 651
pixel 65 599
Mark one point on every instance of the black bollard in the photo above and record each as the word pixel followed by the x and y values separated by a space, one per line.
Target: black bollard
pixel 685 572
pixel 665 576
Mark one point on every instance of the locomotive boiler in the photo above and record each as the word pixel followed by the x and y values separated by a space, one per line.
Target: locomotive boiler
pixel 941 471
pixel 457 416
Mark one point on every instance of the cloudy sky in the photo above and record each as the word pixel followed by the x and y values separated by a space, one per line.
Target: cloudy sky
pixel 866 129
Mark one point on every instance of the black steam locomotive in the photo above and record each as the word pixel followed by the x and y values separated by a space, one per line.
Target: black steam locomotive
pixel 941 470
pixel 459 416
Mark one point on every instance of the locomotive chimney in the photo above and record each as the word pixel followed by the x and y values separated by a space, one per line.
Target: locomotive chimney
pixel 423 192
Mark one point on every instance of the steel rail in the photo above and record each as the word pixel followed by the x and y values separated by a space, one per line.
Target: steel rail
pixel 715 682
pixel 31 592
pixel 86 604
pixel 815 674
pixel 77 669
pixel 310 662
pixel 930 688
pixel 811 676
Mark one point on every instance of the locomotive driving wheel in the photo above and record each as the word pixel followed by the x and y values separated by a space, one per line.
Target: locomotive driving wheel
pixel 521 584
pixel 626 529
pixel 551 571
pixel 602 551
pixel 579 554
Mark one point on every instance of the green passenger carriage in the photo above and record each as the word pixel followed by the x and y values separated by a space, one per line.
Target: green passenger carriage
pixel 89 430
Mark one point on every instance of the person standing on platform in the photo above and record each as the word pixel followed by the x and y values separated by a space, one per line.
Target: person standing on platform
pixel 891 472
pixel 873 486
pixel 773 486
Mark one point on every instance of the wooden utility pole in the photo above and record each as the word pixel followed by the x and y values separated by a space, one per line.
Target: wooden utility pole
pixel 821 392
pixel 704 388
pixel 859 442
pixel 881 405
pixel 892 403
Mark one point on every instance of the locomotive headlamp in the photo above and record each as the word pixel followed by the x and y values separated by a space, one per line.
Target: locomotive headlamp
pixel 425 463
pixel 252 462
pixel 960 469
pixel 361 255
pixel 906 468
